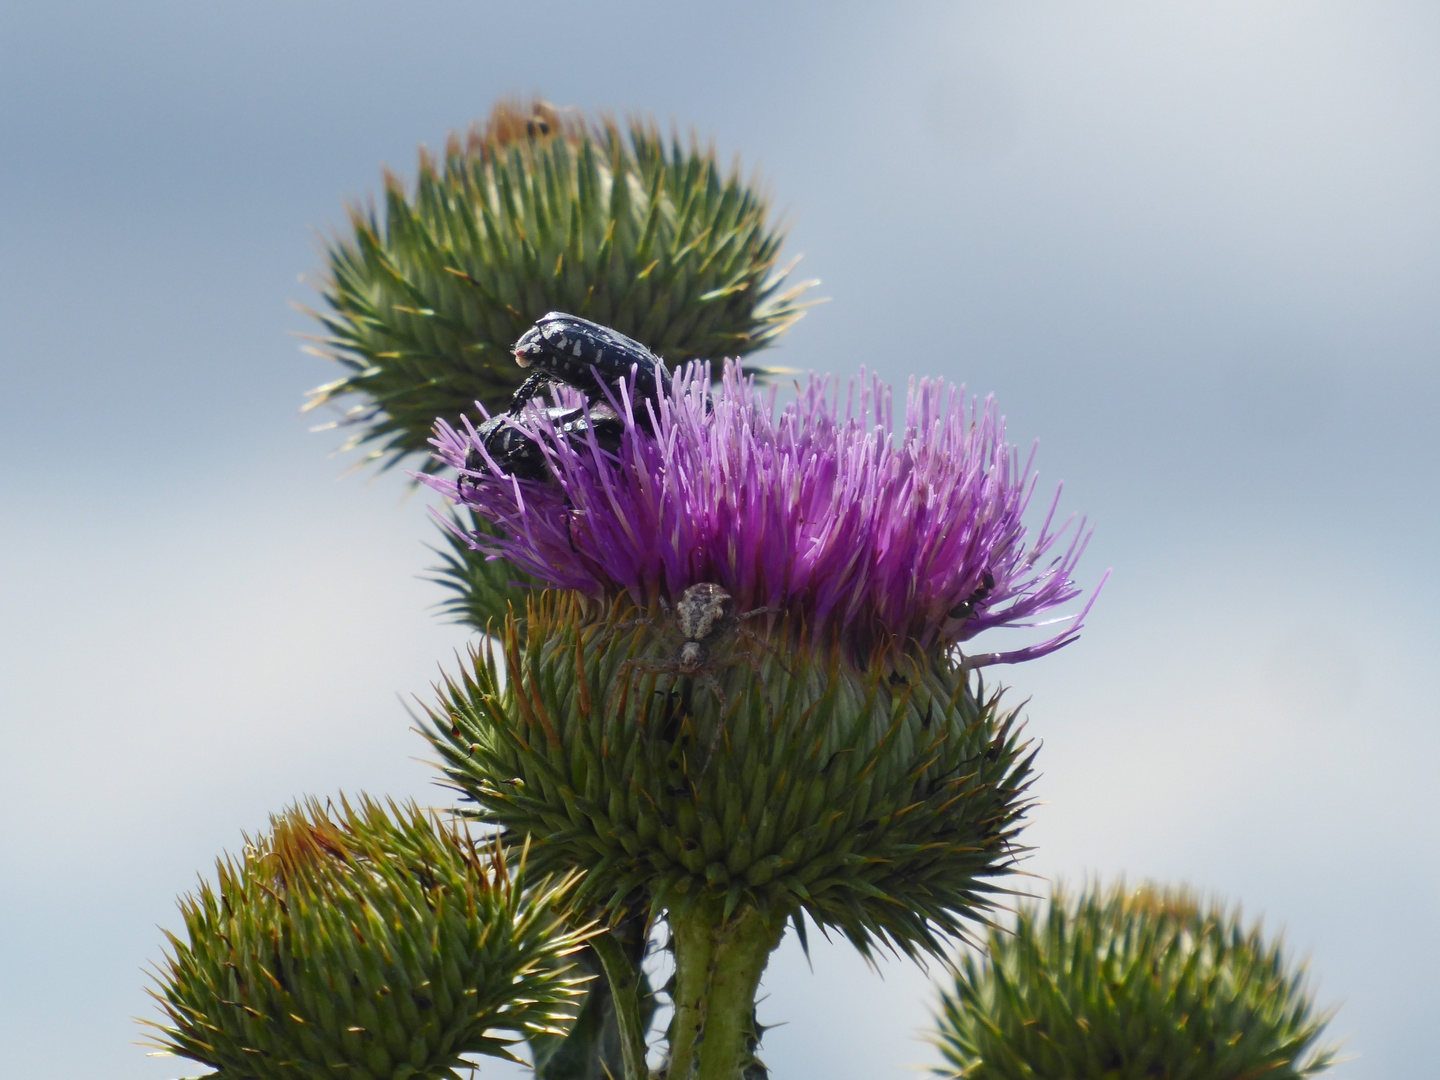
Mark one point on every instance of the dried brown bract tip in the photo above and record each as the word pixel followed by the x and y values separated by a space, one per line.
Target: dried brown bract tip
pixel 514 120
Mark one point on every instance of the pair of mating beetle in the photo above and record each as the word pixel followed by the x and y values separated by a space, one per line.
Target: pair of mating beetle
pixel 597 360
pixel 591 358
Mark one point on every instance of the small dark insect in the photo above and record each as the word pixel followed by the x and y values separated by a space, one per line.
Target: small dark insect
pixel 537 125
pixel 591 358
pixel 520 456
pixel 966 608
pixel 511 449
pixel 704 617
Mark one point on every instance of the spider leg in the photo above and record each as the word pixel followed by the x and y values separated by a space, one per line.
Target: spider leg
pixel 760 611
pixel 706 675
pixel 714 686
pixel 760 678
pixel 762 642
pixel 754 665
pixel 639 666
pixel 646 620
pixel 648 667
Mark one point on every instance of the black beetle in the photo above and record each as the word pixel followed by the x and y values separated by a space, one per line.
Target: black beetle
pixel 591 358
pixel 520 456
pixel 966 609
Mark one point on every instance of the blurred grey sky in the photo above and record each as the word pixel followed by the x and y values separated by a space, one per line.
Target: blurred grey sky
pixel 1193 247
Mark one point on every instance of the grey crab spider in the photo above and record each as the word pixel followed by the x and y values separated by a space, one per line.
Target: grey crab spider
pixel 703 617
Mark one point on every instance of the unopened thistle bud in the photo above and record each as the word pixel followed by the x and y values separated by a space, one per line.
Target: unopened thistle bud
pixel 539 210
pixel 384 944
pixel 777 778
pixel 1119 983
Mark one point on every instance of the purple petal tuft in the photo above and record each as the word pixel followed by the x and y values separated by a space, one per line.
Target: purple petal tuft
pixel 877 535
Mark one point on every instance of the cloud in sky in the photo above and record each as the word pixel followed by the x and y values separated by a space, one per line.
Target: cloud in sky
pixel 1192 247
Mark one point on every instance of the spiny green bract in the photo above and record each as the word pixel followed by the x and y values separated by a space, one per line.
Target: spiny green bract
pixel 1130 985
pixel 481 589
pixel 534 213
pixel 883 806
pixel 387 945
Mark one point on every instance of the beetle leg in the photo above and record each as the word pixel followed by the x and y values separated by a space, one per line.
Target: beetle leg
pixel 533 384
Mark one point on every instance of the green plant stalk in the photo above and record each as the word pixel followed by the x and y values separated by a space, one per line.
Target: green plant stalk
pixel 625 992
pixel 718 964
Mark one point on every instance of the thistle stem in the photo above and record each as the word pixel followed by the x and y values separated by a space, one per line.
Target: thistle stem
pixel 624 981
pixel 718 964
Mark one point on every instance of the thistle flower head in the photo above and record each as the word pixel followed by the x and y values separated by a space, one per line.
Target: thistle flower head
pixel 873 533
pixel 1118 982
pixel 884 806
pixel 366 942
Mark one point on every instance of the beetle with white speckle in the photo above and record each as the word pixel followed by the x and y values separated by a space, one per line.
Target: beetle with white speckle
pixel 591 358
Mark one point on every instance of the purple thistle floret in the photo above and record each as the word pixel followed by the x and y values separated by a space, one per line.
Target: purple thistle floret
pixel 910 538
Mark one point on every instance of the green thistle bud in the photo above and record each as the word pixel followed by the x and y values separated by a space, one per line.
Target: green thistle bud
pixel 534 212
pixel 1120 984
pixel 387 945
pixel 777 781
